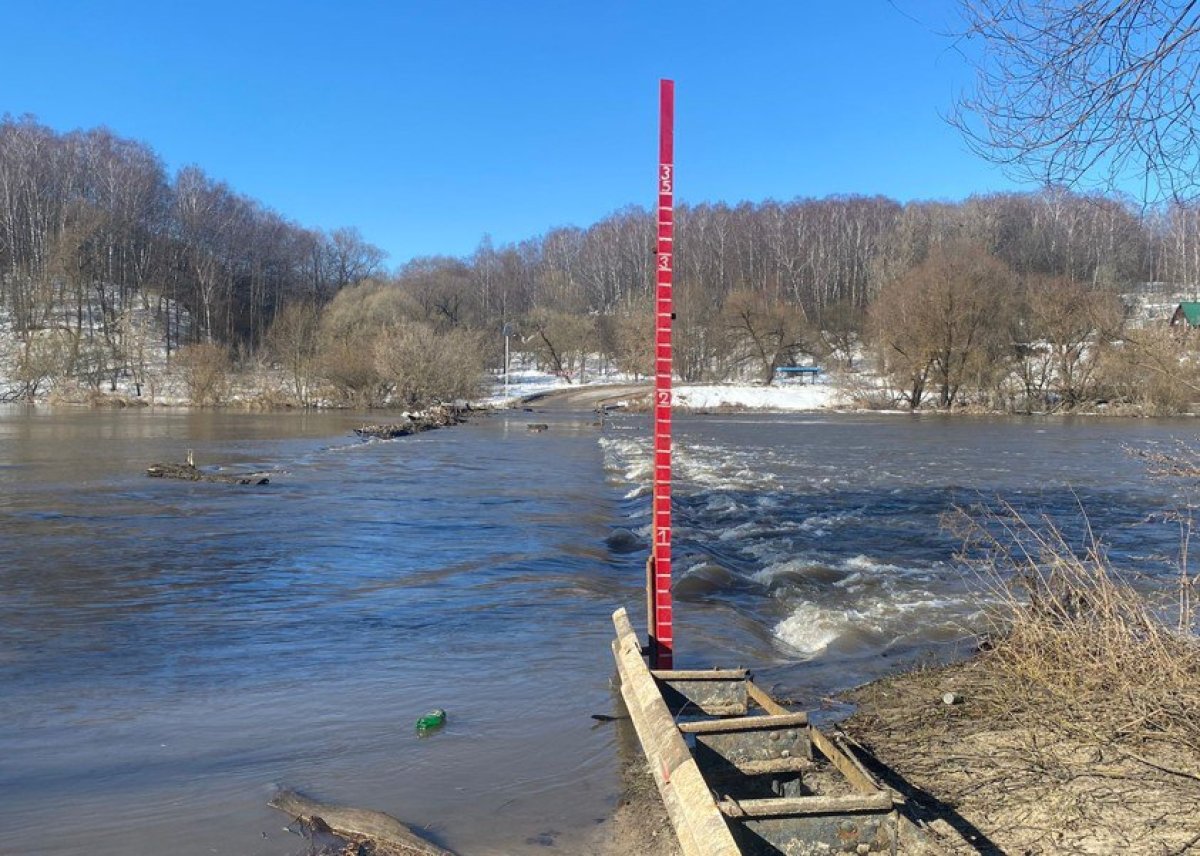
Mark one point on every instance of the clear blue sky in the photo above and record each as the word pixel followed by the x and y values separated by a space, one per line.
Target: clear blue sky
pixel 429 124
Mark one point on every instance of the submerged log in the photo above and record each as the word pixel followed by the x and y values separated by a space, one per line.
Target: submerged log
pixel 390 430
pixel 383 834
pixel 188 472
pixel 414 423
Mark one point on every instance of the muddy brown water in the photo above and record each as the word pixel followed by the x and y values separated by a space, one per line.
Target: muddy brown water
pixel 170 651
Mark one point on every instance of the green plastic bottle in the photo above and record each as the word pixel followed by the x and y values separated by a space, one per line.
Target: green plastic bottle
pixel 434 719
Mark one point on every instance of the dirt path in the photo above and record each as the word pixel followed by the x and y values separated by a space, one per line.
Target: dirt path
pixel 586 398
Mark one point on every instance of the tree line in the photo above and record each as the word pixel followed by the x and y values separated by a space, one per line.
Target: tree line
pixel 92 227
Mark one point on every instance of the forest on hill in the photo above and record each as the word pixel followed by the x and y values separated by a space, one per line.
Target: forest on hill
pixel 1009 300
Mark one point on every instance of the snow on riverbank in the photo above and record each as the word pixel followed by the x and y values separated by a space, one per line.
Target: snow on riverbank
pixel 521 385
pixel 785 396
pixel 782 396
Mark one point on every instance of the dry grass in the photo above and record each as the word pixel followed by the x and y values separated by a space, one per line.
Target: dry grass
pixel 1079 730
pixel 1092 653
pixel 1090 650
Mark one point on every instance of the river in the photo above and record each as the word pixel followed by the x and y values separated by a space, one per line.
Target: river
pixel 171 651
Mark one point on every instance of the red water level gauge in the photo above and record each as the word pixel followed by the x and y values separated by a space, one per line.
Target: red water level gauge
pixel 662 639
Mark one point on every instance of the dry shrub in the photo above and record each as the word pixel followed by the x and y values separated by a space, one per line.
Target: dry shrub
pixel 43 357
pixel 206 368
pixel 1077 648
pixel 270 399
pixel 422 366
pixel 348 365
pixel 1076 729
pixel 1154 371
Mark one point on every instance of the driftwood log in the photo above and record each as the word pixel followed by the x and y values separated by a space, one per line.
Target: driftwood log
pixel 414 423
pixel 362 830
pixel 188 472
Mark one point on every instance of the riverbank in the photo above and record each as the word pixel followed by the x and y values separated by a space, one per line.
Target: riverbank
pixel 1074 728
pixel 639 824
pixel 826 395
pixel 994 773
pixel 985 774
pixel 267 390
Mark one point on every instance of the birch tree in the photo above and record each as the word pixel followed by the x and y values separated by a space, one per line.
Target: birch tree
pixel 1072 91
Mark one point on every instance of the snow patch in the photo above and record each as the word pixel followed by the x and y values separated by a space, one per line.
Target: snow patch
pixel 789 396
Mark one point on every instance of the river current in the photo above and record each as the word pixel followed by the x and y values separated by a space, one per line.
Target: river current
pixel 170 651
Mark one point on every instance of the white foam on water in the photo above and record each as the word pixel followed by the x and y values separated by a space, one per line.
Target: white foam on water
pixel 722 468
pixel 771 551
pixel 773 535
pixel 818 524
pixel 768 574
pixel 855 582
pixel 743 530
pixel 628 458
pixel 865 564
pixel 695 465
pixel 809 630
pixel 723 503
pixel 858 569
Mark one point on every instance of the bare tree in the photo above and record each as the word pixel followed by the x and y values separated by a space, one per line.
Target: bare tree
pixel 561 340
pixel 422 365
pixel 1153 369
pixel 1072 90
pixel 1072 326
pixel 768 333
pixel 628 338
pixel 206 368
pixel 294 340
pixel 839 332
pixel 945 322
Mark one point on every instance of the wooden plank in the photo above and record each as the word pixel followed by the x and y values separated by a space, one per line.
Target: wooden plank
pixel 803 806
pixel 746 723
pixel 863 773
pixel 699 824
pixel 624 628
pixel 855 774
pixel 764 700
pixel 809 834
pixel 712 692
pixel 705 698
pixel 774 765
pixel 717 749
pixel 701 674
